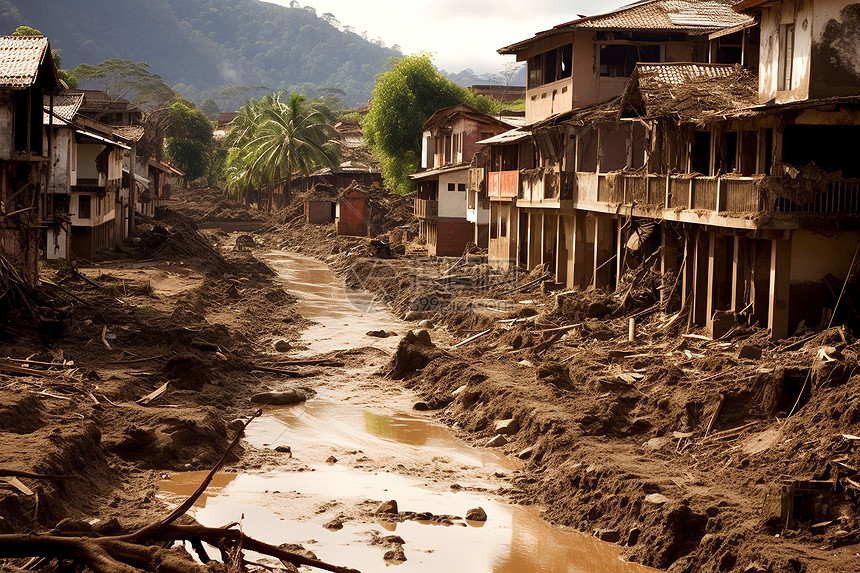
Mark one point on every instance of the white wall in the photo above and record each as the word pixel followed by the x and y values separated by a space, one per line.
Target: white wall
pixel 452 203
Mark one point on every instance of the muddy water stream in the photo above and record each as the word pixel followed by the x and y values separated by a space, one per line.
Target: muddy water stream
pixel 357 443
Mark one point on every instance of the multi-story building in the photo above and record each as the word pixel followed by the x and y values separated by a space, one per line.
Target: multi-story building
pixel 449 216
pixel 27 75
pixel 742 190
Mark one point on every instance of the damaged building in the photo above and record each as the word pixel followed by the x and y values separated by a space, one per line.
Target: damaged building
pixel 705 138
pixel 27 75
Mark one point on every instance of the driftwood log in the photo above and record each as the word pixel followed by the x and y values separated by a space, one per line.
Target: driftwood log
pixel 147 549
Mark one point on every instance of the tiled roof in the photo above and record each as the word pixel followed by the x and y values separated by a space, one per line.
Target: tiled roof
pixel 666 15
pixel 677 74
pixel 65 107
pixel 690 93
pixel 20 58
pixel 690 16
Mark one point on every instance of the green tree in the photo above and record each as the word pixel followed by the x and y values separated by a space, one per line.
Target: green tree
pixel 210 108
pixel 124 79
pixel 189 139
pixel 274 140
pixel 404 98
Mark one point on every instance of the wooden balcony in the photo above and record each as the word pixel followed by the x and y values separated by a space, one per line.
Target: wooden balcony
pixel 725 200
pixel 545 187
pixel 426 208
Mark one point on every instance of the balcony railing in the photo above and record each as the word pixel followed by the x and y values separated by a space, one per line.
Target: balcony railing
pixel 426 208
pixel 546 186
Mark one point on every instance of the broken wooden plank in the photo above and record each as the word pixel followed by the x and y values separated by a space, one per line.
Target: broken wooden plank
pixel 104 339
pixel 160 356
pixel 290 373
pixel 715 414
pixel 697 337
pixel 153 395
pixel 12 369
pixel 16 483
pixel 472 338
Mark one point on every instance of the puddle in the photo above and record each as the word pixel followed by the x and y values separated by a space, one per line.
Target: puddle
pixel 356 444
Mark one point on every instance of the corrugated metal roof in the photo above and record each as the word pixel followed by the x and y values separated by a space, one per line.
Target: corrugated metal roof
pixel 65 107
pixel 684 15
pixel 511 136
pixel 20 58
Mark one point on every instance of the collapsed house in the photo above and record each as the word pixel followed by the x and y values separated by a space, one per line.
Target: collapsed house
pixel 645 146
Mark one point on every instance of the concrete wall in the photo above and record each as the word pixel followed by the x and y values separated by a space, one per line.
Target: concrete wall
pixel 61 162
pixel 86 164
pixel 771 71
pixel 835 49
pixel 318 212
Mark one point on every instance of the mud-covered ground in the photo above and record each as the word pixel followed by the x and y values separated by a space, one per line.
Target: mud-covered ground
pixel 736 454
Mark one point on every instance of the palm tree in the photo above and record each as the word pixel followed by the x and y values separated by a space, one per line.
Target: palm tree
pixel 293 138
pixel 278 140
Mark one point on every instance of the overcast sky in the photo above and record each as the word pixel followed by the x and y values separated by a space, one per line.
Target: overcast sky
pixel 460 33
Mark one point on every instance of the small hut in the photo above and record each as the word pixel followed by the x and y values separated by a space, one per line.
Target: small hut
pixel 320 205
pixel 352 214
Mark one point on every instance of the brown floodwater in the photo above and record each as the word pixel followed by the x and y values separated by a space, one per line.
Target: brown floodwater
pixel 356 444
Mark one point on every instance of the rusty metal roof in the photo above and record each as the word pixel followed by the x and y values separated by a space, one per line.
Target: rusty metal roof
pixel 20 58
pixel 66 105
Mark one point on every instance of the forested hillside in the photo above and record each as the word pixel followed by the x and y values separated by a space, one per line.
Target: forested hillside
pixel 202 46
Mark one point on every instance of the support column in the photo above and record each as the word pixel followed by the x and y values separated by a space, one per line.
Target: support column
pixel 670 265
pixel 780 282
pixel 578 270
pixel 700 277
pixel 739 272
pixel 619 251
pixel 603 251
pixel 718 285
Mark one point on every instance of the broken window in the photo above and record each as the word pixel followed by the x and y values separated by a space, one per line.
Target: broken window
pixel 618 60
pixel 550 66
pixel 84 207
pixel 535 71
pixel 823 144
pixel 701 157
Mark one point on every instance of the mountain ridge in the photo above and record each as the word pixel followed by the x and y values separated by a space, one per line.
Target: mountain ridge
pixel 202 46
